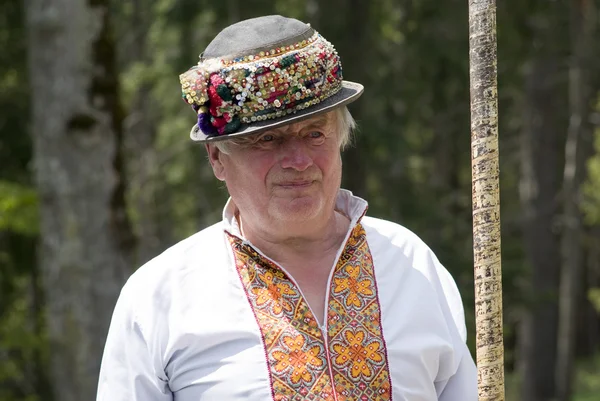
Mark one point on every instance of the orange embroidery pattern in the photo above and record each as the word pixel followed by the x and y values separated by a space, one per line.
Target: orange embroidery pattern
pixel 294 344
pixel 356 344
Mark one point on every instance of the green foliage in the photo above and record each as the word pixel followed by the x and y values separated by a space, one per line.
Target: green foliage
pixel 591 203
pixel 18 208
pixel 15 144
pixel 594 298
pixel 587 385
pixel 20 348
pixel 292 8
pixel 588 380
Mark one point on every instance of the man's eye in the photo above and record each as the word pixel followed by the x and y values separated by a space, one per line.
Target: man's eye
pixel 267 138
pixel 316 134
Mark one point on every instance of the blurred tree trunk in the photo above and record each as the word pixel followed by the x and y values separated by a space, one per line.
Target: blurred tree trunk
pixel 140 136
pixel 86 237
pixel 40 375
pixel 354 50
pixel 578 149
pixel 587 341
pixel 447 155
pixel 590 319
pixel 144 180
pixel 544 127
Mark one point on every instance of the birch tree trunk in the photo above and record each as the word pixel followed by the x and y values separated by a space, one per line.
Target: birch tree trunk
pixel 578 149
pixel 86 238
pixel 486 199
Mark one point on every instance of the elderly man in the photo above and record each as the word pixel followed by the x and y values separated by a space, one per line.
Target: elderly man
pixel 296 294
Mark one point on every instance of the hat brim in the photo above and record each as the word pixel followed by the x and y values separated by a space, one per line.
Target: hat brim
pixel 349 92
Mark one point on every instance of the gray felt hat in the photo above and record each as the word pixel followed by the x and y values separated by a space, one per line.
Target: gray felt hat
pixel 262 73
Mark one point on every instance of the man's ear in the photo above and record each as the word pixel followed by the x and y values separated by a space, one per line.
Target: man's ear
pixel 215 157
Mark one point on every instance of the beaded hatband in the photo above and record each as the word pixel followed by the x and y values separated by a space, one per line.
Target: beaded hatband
pixel 268 85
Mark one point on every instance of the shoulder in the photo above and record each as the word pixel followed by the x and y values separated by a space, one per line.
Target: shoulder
pixel 387 233
pixel 166 271
pixel 394 244
pixel 389 228
pixel 155 292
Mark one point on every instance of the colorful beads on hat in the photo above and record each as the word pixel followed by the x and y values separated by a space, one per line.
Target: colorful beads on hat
pixel 268 85
pixel 194 86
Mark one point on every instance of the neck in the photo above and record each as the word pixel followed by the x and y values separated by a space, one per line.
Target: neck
pixel 310 240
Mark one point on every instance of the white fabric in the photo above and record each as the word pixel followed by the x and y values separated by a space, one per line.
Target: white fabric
pixel 183 329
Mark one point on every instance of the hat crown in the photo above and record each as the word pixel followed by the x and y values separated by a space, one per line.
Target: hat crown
pixel 262 73
pixel 254 35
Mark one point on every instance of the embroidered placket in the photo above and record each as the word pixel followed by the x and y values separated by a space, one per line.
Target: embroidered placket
pixel 343 360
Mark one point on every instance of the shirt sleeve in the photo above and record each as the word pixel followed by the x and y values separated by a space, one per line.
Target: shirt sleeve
pixel 463 384
pixel 127 372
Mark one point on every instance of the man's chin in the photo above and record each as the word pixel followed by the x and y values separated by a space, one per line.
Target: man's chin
pixel 297 210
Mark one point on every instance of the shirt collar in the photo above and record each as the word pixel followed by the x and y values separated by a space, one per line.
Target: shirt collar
pixel 346 203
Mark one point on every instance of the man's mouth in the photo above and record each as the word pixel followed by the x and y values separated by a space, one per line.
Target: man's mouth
pixel 295 184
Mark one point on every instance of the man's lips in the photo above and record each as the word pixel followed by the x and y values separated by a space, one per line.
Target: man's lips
pixel 295 184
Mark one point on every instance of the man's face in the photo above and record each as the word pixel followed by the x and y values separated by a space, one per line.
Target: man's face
pixel 288 175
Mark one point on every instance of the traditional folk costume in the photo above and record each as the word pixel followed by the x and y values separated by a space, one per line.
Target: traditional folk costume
pixel 212 318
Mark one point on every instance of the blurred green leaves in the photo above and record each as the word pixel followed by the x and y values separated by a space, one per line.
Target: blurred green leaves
pixel 18 209
pixel 591 202
pixel 594 298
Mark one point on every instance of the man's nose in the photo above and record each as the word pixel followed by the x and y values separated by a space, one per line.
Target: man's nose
pixel 295 154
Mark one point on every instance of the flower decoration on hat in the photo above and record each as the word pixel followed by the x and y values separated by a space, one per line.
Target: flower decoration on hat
pixel 226 93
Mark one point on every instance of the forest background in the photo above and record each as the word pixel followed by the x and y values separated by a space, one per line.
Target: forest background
pixel 97 173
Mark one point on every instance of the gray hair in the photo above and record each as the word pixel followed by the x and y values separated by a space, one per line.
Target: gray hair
pixel 345 124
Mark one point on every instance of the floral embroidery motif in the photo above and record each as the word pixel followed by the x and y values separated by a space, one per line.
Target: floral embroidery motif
pixel 356 356
pixel 298 359
pixel 356 344
pixel 296 350
pixel 351 286
pixel 272 295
